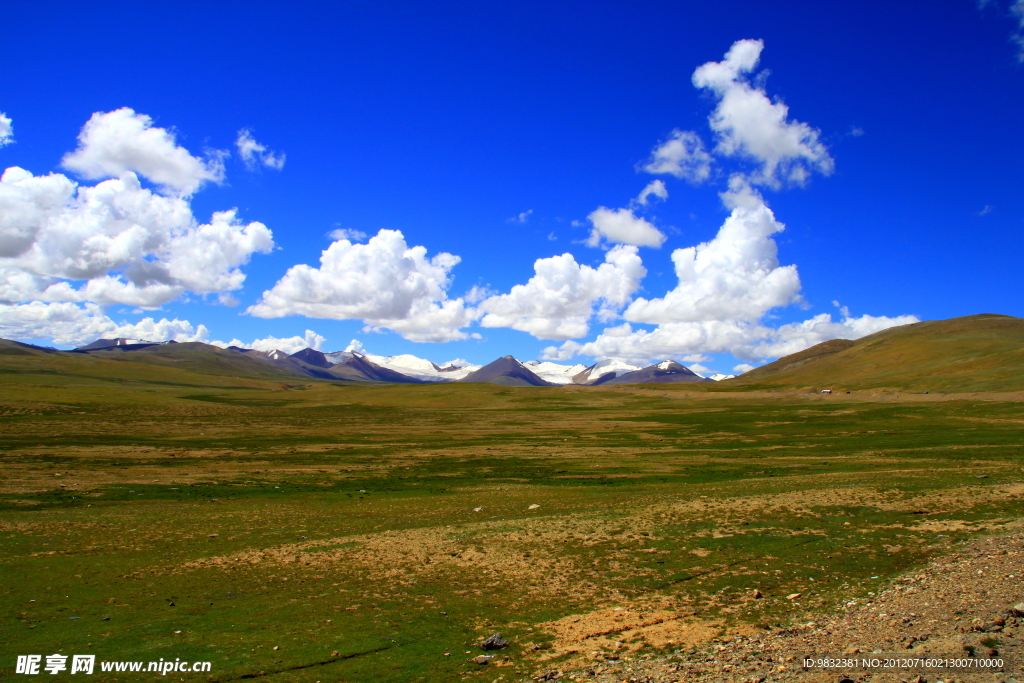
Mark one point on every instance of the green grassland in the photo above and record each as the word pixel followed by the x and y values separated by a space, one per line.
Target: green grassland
pixel 293 530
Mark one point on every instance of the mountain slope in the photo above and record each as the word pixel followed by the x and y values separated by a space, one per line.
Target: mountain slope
pixel 194 356
pixel 357 368
pixel 973 353
pixel 506 370
pixel 665 371
pixel 795 360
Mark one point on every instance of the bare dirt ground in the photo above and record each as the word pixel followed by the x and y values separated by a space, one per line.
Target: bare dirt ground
pixel 960 607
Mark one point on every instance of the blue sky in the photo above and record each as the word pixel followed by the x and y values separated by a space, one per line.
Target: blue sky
pixel 496 134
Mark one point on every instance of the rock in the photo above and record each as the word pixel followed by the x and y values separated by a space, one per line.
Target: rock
pixel 495 642
pixel 477 509
pixel 851 650
pixel 534 507
pixel 335 653
pixel 758 594
pixel 793 596
pixel 846 679
pixel 549 675
pixel 1018 609
pixel 481 660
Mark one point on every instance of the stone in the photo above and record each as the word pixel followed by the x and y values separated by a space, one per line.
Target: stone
pixel 846 679
pixel 758 594
pixel 481 660
pixel 495 642
pixel 793 596
pixel 533 507
pixel 1018 609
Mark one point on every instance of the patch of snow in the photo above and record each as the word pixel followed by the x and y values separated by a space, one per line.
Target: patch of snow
pixel 411 366
pixel 718 377
pixel 664 365
pixel 553 372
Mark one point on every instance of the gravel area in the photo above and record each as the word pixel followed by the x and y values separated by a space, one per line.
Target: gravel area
pixel 967 606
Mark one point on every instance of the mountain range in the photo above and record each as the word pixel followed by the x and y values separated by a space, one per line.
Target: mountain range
pixel 972 353
pixel 365 367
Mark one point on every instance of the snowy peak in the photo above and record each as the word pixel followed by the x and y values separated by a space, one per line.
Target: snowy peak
pixel 603 371
pixel 553 372
pixel 509 371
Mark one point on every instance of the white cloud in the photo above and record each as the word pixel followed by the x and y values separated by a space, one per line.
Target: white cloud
pixel 6 130
pixel 130 245
pixel 255 154
pixel 566 351
pixel 682 155
pixel 621 226
pixel 654 188
pixel 521 218
pixel 750 125
pixel 288 345
pixel 1017 10
pixel 114 142
pixel 347 234
pixel 743 367
pixel 559 300
pixel 384 282
pixel 478 293
pixel 76 325
pixel 735 276
pixel 747 340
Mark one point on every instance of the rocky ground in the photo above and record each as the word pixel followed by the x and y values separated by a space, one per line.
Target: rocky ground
pixel 967 606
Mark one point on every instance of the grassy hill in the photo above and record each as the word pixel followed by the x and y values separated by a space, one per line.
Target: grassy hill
pixel 973 353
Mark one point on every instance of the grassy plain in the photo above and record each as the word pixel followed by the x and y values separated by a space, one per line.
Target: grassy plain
pixel 309 531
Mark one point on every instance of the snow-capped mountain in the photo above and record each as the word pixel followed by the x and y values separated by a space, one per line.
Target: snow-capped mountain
pixel 553 372
pixel 718 377
pixel 421 369
pixel 603 371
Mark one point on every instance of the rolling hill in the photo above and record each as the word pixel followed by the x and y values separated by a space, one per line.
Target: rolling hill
pixel 972 353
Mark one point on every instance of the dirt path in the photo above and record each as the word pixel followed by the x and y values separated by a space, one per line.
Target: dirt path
pixel 961 604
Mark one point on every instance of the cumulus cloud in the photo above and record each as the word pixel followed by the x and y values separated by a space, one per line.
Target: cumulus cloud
pixel 735 276
pixel 255 154
pixel 76 325
pixel 112 143
pixel 623 227
pixel 747 340
pixel 6 130
pixel 682 155
pixel 749 125
pixel 384 282
pixel 655 188
pixel 289 345
pixel 559 300
pixel 742 368
pixel 128 244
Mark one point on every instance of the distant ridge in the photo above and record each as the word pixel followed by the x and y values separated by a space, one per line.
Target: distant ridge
pixel 507 370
